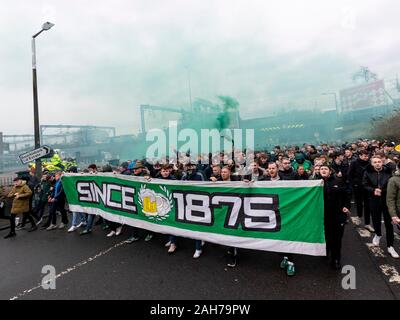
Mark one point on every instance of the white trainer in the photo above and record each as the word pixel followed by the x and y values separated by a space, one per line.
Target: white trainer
pixel 393 252
pixel 197 254
pixel 167 244
pixel 112 233
pixel 72 229
pixel 61 226
pixel 119 230
pixel 172 248
pixel 376 240
pixel 369 228
pixel 51 227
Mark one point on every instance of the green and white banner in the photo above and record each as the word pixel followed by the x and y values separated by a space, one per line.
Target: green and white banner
pixel 282 216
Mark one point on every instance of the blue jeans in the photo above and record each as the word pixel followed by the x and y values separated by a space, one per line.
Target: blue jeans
pixel 172 239
pixel 197 244
pixel 57 206
pixel 78 215
pixel 90 221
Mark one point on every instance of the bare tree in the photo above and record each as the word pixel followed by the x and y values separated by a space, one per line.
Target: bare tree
pixel 387 127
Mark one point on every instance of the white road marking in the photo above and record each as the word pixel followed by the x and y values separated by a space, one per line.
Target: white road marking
pixel 364 233
pixel 63 273
pixel 391 272
pixel 387 270
pixel 377 251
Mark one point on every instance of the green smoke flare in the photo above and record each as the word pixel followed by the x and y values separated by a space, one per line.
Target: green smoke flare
pixel 229 105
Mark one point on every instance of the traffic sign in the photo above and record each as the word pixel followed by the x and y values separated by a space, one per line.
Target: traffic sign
pixel 34 154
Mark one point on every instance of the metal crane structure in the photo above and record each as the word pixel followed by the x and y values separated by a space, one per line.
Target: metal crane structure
pixel 83 129
pixel 200 107
pixel 144 107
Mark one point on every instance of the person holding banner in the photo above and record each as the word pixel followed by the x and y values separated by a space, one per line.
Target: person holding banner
pixel 92 169
pixel 57 204
pixel 139 170
pixel 287 172
pixel 166 174
pixel 100 221
pixel 336 204
pixel 315 173
pixel 232 251
pixel 255 172
pixel 191 174
pixel 116 228
pixel 274 174
pixel 216 173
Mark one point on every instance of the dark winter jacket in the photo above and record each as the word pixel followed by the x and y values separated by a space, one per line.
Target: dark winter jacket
pixel 373 179
pixel 194 176
pixel 348 161
pixel 335 199
pixel 311 156
pixel 208 172
pixel 391 166
pixel 356 171
pixel 250 176
pixel 33 182
pixel 304 176
pixel 342 167
pixel 126 172
pixel 42 191
pixel 170 177
pixel 218 177
pixel 288 174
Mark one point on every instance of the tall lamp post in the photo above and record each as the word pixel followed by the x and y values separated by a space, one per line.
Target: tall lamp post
pixel 336 103
pixel 46 26
pixel 189 87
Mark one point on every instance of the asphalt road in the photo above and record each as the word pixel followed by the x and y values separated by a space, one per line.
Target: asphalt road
pixel 97 267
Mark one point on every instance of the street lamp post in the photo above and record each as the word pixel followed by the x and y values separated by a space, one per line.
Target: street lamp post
pixel 189 88
pixel 46 26
pixel 336 103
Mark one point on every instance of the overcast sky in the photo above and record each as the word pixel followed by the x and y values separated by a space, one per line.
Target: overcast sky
pixel 105 58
